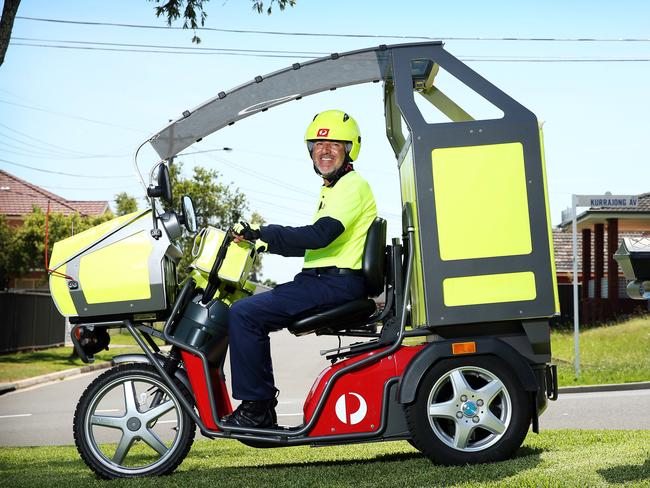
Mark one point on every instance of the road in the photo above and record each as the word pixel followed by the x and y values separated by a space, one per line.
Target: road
pixel 42 415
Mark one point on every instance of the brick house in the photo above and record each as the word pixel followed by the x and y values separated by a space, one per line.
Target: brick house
pixel 17 199
pixel 602 229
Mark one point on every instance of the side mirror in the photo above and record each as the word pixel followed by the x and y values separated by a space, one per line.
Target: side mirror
pixel 188 217
pixel 164 188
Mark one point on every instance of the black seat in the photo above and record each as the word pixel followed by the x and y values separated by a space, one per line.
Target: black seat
pixel 357 312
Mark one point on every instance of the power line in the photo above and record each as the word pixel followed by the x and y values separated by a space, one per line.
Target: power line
pixel 157 46
pixel 30 107
pixel 52 147
pixel 254 174
pixel 148 51
pixel 50 187
pixel 36 153
pixel 555 60
pixel 204 151
pixel 276 182
pixel 325 34
pixel 62 173
pixel 29 150
pixel 188 50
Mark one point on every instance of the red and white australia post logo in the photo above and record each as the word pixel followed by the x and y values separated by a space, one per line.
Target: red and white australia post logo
pixel 351 408
pixel 322 132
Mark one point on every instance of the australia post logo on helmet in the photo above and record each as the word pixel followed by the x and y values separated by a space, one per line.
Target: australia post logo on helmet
pixel 322 133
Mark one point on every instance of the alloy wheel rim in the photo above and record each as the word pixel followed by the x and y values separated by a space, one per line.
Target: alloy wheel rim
pixel 137 424
pixel 469 409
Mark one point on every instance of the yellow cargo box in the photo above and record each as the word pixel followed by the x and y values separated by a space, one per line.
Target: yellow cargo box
pixel 238 262
pixel 114 270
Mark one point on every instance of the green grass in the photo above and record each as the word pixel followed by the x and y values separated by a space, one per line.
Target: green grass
pixel 26 364
pixel 554 458
pixel 609 354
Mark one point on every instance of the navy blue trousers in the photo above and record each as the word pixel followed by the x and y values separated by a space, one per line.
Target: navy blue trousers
pixel 252 318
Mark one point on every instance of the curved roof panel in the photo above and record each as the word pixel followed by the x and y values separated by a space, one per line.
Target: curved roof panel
pixel 294 82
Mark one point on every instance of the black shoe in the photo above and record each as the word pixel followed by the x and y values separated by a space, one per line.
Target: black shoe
pixel 253 413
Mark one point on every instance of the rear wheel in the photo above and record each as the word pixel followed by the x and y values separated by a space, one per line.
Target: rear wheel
pixel 128 423
pixel 469 410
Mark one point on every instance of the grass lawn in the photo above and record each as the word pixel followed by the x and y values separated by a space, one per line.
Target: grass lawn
pixel 609 354
pixel 554 458
pixel 23 365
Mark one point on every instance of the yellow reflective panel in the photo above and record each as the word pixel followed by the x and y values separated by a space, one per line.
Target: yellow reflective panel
pixel 66 248
pixel 494 288
pixel 238 261
pixel 61 294
pixel 117 272
pixel 481 201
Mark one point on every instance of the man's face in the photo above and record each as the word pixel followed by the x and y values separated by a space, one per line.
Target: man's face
pixel 328 156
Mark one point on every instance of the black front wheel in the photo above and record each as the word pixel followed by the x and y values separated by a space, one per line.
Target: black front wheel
pixel 128 423
pixel 469 410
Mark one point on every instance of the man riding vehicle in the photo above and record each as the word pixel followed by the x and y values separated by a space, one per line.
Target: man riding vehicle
pixel 332 248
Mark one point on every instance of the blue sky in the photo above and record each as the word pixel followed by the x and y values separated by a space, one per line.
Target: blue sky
pixel 85 111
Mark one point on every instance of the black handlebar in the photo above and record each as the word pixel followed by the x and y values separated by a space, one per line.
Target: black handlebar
pixel 213 277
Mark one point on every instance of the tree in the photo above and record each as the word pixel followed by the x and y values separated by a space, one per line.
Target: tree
pixel 9 11
pixel 5 260
pixel 24 250
pixel 194 14
pixel 125 203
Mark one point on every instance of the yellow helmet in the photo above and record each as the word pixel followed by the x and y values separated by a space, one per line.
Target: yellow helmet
pixel 335 125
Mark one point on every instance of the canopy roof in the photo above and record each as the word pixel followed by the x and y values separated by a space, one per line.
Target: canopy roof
pixel 292 83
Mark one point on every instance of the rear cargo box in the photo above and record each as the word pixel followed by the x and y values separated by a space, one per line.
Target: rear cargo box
pixel 476 183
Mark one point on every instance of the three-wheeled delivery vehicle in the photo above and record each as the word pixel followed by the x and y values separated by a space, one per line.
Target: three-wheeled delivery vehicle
pixel 457 360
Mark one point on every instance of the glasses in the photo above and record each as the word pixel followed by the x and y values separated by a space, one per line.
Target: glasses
pixel 328 144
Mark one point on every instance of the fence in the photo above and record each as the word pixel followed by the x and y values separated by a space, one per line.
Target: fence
pixel 28 320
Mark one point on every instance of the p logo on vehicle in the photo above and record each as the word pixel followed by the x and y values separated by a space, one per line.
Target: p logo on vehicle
pixel 351 408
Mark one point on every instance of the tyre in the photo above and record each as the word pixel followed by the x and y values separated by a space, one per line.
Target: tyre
pixel 128 423
pixel 469 410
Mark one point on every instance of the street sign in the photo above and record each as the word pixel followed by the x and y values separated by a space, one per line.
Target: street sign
pixel 606 200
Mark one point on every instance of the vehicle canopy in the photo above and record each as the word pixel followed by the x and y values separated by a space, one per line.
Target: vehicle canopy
pixel 477 188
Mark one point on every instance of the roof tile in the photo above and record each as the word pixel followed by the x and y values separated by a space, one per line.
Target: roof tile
pixel 563 247
pixel 18 197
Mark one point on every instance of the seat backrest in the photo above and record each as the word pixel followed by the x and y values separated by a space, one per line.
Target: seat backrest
pixel 374 257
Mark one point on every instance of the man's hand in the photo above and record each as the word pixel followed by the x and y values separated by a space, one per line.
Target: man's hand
pixel 245 231
pixel 261 246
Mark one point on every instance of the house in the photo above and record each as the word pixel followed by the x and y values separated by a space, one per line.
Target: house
pixel 602 294
pixel 18 198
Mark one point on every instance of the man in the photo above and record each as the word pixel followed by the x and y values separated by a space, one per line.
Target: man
pixel 332 247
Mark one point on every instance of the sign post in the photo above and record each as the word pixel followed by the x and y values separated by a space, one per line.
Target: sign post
pixel 606 200
pixel 576 308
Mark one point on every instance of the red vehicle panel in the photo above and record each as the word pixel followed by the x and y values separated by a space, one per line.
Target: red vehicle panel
pixel 196 373
pixel 355 402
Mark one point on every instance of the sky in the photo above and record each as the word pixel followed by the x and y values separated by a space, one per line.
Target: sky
pixel 83 112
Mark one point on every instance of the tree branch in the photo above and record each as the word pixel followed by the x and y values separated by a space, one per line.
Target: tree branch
pixel 6 25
